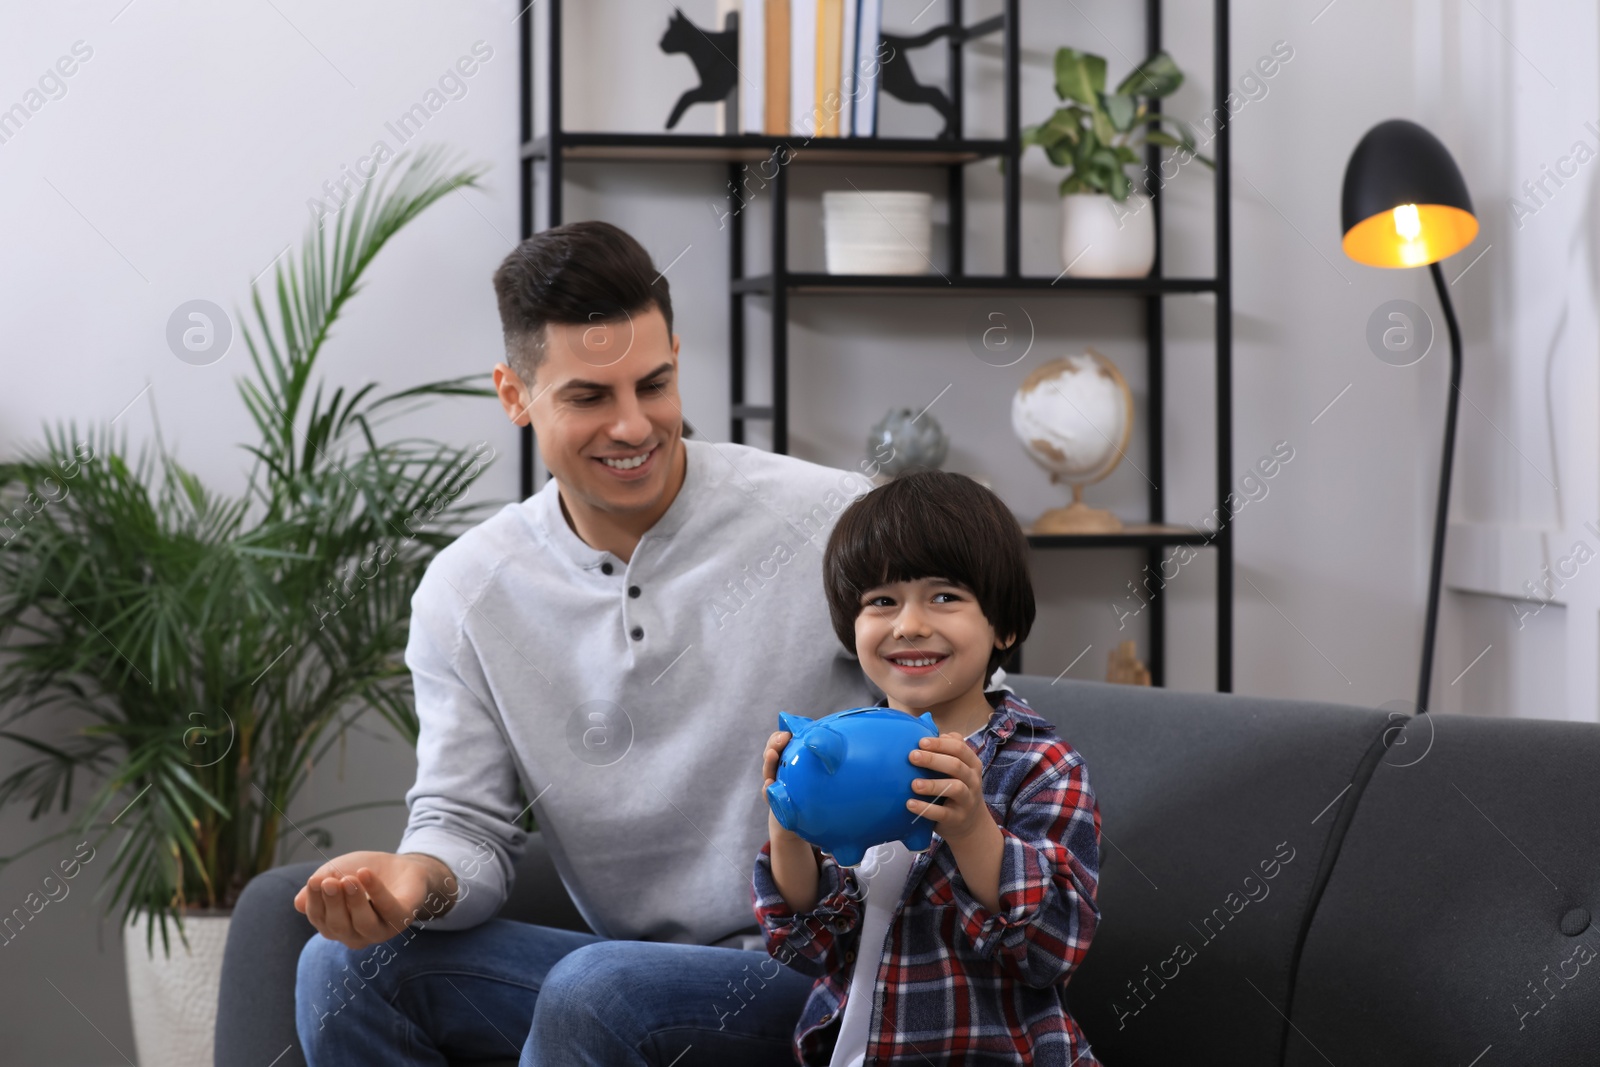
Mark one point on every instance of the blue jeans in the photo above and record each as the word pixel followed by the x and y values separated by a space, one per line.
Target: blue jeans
pixel 555 998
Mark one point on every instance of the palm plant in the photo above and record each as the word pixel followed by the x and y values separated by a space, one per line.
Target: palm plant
pixel 1097 135
pixel 215 647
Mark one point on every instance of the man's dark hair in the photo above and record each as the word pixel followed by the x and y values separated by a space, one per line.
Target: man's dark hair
pixel 931 524
pixel 582 272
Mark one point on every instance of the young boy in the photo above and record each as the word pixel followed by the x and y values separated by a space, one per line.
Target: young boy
pixel 959 954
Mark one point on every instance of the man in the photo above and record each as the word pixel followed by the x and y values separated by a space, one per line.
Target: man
pixel 618 645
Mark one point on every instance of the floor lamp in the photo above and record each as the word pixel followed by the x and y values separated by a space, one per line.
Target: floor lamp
pixel 1406 205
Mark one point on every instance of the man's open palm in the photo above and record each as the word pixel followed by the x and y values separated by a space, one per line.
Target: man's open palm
pixel 362 898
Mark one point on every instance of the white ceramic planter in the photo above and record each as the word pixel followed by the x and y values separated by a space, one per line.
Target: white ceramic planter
pixel 1101 238
pixel 878 231
pixel 174 998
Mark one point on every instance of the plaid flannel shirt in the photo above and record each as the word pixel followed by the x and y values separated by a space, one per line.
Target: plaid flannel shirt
pixel 960 984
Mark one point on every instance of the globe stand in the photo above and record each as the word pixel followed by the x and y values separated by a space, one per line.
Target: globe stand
pixel 1077 517
pixel 1060 449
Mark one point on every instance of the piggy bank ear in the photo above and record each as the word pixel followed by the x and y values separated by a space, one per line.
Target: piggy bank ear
pixel 794 724
pixel 828 744
pixel 927 717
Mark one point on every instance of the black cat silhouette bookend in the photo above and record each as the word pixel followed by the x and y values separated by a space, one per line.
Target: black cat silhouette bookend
pixel 899 81
pixel 714 55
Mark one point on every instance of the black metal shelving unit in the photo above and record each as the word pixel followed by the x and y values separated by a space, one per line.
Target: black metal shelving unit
pixel 553 149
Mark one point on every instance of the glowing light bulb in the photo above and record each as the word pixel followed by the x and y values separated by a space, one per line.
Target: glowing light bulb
pixel 1407 223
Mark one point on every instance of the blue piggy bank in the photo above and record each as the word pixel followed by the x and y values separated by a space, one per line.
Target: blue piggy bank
pixel 844 779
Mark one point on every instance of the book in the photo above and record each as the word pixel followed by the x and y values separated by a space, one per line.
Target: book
pixel 830 42
pixel 869 39
pixel 802 67
pixel 847 69
pixel 752 66
pixel 778 83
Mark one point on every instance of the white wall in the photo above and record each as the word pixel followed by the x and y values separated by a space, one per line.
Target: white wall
pixel 179 162
pixel 1520 93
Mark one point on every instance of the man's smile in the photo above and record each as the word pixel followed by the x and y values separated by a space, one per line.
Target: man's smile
pixel 630 465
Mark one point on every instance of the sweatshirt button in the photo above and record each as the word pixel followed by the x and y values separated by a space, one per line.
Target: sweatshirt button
pixel 633 590
pixel 637 633
pixel 605 568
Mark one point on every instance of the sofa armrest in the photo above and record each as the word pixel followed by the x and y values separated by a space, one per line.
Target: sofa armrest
pixel 255 1006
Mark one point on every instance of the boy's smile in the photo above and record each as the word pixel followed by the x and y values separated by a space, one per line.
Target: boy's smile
pixel 921 661
pixel 926 644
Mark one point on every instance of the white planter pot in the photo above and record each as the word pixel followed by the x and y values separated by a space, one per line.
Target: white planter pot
pixel 174 998
pixel 878 231
pixel 1101 238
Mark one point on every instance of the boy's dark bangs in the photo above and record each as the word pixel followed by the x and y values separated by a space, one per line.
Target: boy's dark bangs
pixel 901 537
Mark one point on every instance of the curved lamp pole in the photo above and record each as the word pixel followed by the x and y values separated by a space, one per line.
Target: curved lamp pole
pixel 1405 205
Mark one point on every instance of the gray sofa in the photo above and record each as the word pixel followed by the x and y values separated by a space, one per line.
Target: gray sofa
pixel 1282 883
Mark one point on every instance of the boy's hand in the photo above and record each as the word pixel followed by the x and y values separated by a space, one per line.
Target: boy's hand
pixel 794 861
pixel 963 812
pixel 769 774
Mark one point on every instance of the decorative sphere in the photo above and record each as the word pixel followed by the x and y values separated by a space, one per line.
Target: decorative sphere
pixel 909 445
pixel 1073 415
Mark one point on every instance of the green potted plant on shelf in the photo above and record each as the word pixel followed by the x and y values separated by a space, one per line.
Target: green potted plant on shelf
pixel 1106 231
pixel 194 654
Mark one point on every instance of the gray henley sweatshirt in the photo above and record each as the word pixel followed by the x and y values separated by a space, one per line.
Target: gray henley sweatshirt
pixel 630 699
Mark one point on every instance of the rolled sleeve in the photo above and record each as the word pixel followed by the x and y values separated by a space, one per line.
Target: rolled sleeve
pixel 816 936
pixel 1049 877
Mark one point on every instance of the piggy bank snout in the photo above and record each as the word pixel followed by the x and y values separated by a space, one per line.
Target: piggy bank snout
pixel 782 806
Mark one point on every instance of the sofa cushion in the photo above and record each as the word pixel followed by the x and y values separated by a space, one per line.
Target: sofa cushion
pixel 1457 918
pixel 1220 817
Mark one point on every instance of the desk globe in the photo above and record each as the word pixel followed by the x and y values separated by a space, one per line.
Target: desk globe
pixel 1074 416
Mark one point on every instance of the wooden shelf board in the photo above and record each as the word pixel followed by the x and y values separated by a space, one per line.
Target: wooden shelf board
pixel 807 283
pixel 710 148
pixel 1134 535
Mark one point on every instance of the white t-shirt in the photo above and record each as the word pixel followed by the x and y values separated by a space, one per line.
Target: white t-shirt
pixel 882 875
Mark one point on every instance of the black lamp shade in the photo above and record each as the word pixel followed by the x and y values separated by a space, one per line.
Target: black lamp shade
pixel 1405 203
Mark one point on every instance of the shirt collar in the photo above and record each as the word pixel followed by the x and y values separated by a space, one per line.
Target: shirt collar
pixel 1009 713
